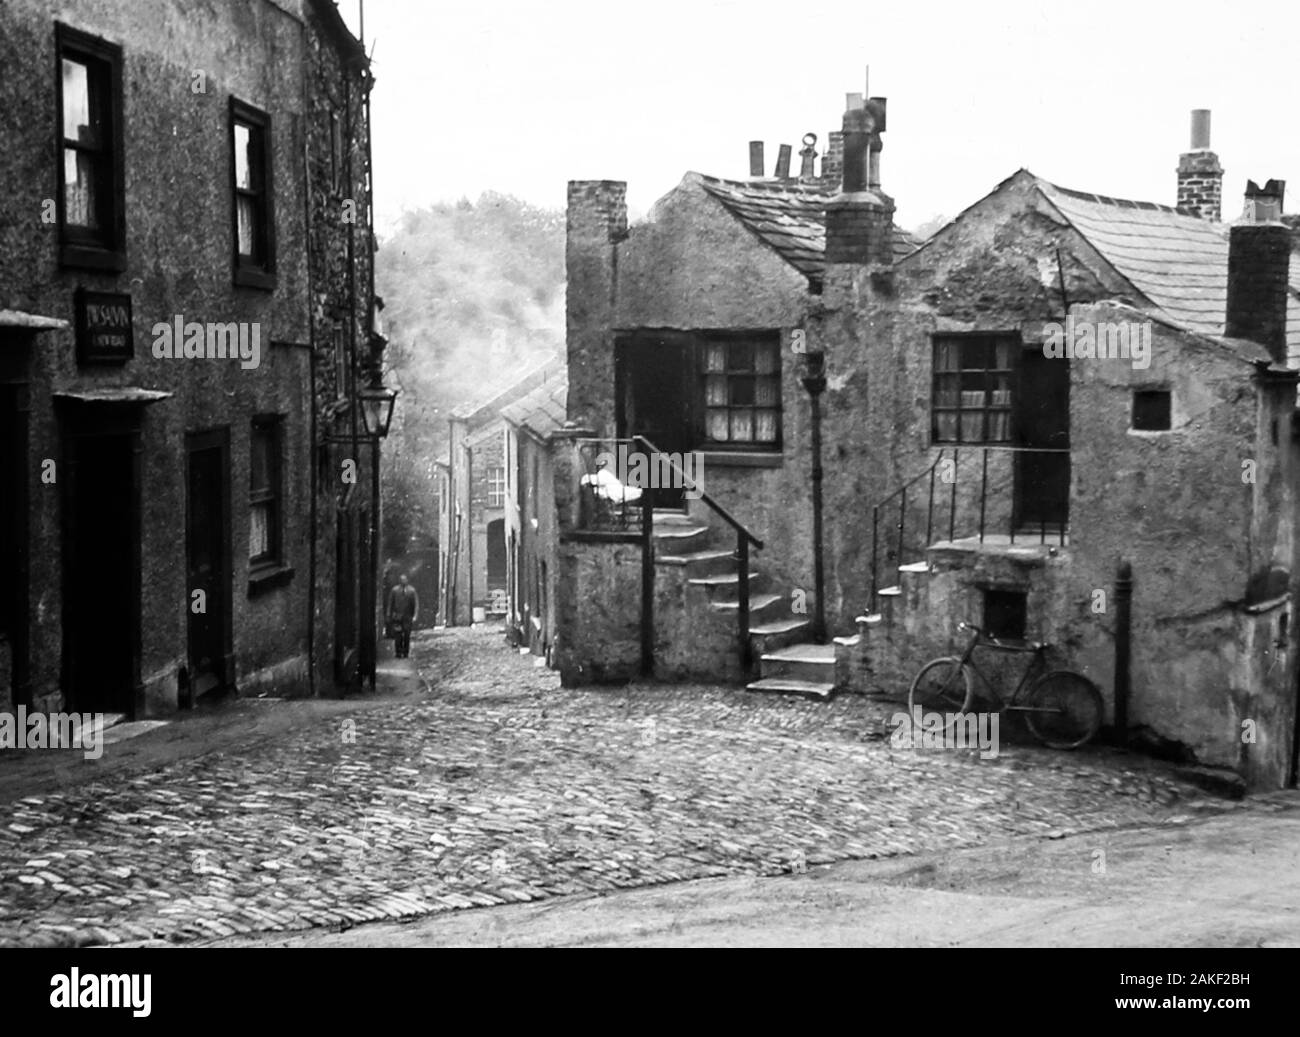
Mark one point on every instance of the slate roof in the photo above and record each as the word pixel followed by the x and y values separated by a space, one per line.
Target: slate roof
pixel 1177 261
pixel 543 410
pixel 789 217
pixel 489 405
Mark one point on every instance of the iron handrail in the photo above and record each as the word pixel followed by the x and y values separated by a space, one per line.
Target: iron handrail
pixel 723 513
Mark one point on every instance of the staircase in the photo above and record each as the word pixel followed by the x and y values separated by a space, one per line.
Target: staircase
pixel 707 561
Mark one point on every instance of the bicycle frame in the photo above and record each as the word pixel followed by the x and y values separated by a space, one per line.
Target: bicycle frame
pixel 1037 665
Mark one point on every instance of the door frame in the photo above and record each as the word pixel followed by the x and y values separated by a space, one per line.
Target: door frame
pixel 82 420
pixel 213 439
pixel 626 343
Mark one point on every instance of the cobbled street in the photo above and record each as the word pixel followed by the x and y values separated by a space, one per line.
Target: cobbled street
pixel 482 782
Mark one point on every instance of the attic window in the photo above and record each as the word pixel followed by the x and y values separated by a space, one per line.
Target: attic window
pixel 1151 410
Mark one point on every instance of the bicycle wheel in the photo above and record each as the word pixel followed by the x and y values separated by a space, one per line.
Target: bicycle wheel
pixel 1065 709
pixel 942 686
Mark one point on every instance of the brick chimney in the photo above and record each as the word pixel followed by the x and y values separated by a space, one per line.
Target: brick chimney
pixel 1259 260
pixel 1200 177
pixel 596 223
pixel 860 219
pixel 833 160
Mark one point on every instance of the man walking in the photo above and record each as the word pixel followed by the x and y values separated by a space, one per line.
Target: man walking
pixel 403 611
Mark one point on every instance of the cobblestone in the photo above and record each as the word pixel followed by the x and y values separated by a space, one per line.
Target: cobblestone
pixel 495 786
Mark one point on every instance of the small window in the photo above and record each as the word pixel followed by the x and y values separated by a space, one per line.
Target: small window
pixel 1151 410
pixel 91 204
pixel 1004 614
pixel 264 493
pixel 973 377
pixel 496 488
pixel 741 382
pixel 251 196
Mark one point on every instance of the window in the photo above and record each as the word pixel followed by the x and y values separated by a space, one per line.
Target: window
pixel 496 487
pixel 972 388
pixel 91 203
pixel 741 379
pixel 264 493
pixel 1151 410
pixel 1004 614
pixel 251 196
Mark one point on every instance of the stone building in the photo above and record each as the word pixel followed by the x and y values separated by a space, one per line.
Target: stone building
pixel 969 473
pixel 185 304
pixel 532 538
pixel 475 551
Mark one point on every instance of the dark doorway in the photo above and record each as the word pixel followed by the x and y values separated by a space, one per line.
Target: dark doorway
pixel 497 572
pixel 103 602
pixel 1042 416
pixel 653 392
pixel 346 640
pixel 14 617
pixel 207 546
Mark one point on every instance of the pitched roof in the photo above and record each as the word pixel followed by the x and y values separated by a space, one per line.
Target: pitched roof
pixel 543 410
pixel 489 404
pixel 1177 261
pixel 789 217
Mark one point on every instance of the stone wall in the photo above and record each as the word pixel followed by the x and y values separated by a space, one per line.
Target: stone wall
pixel 182 62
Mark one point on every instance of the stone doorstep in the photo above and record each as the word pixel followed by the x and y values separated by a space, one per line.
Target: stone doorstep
pixel 803 653
pixel 722 580
pixel 786 685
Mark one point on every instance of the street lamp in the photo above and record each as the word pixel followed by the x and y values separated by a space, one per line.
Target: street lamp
pixel 814 380
pixel 377 402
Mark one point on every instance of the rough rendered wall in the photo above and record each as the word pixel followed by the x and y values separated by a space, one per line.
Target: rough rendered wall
pixel 178 244
pixel 995 271
pixel 691 266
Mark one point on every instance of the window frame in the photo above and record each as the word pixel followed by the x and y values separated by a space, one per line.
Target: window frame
pixel 272 494
pixel 753 338
pixel 492 479
pixel 250 270
pixel 991 340
pixel 103 248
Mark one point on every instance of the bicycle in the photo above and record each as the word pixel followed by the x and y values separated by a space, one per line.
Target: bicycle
pixel 1063 709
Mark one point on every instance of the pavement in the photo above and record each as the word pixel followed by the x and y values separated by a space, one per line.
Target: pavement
pixel 470 779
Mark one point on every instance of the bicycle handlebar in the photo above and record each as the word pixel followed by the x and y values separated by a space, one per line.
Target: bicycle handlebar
pixel 984 635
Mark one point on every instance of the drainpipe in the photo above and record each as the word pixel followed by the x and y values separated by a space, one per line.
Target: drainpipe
pixel 1123 644
pixel 311 368
pixel 815 382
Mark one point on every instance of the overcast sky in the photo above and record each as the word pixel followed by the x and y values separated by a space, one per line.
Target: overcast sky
pixel 522 97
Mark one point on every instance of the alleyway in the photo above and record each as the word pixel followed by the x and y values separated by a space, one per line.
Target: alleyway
pixel 479 781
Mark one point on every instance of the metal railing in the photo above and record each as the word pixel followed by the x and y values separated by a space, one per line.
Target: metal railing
pixel 981 530
pixel 605 504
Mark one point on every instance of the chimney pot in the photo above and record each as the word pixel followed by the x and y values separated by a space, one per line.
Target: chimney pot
pixel 783 162
pixel 1200 129
pixel 807 155
pixel 756 165
pixel 1264 204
